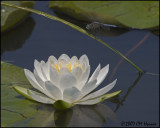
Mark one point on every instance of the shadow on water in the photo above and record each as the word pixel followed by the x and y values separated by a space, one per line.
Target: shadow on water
pixel 11 42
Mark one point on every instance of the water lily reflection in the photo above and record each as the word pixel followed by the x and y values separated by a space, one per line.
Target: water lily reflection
pixel 78 116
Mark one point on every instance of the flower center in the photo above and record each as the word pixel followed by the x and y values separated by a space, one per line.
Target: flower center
pixel 70 66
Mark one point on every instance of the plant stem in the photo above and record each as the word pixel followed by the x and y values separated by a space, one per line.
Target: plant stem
pixel 76 28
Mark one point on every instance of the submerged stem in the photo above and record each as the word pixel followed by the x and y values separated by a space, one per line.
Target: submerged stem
pixel 76 28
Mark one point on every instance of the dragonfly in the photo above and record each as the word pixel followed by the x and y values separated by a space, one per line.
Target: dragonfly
pixel 97 26
pixel 100 29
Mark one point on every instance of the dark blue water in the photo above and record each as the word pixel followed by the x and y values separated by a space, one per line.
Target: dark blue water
pixel 139 101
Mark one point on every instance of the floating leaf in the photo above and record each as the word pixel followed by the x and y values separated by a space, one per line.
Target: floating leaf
pixel 14 107
pixel 132 14
pixel 12 16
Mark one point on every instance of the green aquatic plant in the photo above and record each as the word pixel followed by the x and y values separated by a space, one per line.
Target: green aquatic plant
pixel 65 82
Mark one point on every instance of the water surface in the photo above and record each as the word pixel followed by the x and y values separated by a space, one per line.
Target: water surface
pixel 139 101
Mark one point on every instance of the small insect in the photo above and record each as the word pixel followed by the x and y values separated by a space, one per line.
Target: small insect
pixel 96 27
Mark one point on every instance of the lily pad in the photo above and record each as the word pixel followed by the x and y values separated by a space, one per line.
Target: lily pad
pixel 12 16
pixel 14 107
pixel 132 14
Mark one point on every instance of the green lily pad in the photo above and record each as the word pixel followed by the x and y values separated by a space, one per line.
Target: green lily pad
pixel 132 14
pixel 12 16
pixel 14 107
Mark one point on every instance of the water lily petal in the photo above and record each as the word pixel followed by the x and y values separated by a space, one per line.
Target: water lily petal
pixel 39 80
pixel 32 95
pixel 45 70
pixel 84 59
pixel 37 66
pixel 71 94
pixel 99 99
pixel 77 72
pixel 39 97
pixel 32 79
pixel 100 91
pixel 54 77
pixel 74 59
pixel 52 60
pixel 95 73
pixel 54 91
pixel 42 64
pixel 84 78
pixel 64 70
pixel 65 57
pixel 84 62
pixel 88 87
pixel 102 74
pixel 99 75
pixel 42 84
pixel 62 62
pixel 22 91
pixel 67 80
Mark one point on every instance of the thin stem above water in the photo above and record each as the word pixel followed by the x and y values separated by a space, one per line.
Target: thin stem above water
pixel 76 28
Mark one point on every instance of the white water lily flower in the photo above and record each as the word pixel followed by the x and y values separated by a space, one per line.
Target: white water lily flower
pixel 65 82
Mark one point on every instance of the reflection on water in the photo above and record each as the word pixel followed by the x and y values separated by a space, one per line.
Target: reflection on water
pixel 11 42
pixel 89 116
pixel 79 23
pixel 156 32
pixel 128 92
pixel 78 116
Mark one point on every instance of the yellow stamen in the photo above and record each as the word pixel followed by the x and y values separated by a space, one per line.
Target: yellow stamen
pixel 75 65
pixel 69 66
pixel 79 66
pixel 58 66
